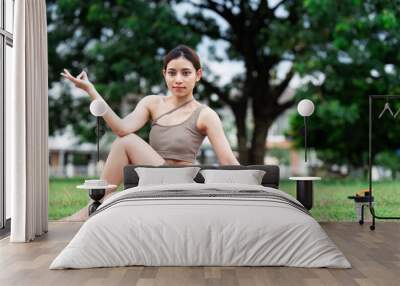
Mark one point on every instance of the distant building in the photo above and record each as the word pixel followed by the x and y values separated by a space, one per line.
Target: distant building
pixel 68 158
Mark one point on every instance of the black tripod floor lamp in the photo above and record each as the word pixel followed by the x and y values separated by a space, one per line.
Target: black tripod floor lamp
pixel 98 108
pixel 305 108
pixel 96 188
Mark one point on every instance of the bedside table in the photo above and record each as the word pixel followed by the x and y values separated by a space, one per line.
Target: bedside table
pixel 304 190
pixel 96 193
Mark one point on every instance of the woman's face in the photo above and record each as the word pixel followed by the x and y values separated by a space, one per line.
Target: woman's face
pixel 181 76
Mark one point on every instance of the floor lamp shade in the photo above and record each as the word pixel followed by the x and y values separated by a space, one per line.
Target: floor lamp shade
pixel 305 107
pixel 98 107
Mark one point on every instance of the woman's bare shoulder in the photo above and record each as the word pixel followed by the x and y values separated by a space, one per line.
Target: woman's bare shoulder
pixel 207 117
pixel 208 113
pixel 153 100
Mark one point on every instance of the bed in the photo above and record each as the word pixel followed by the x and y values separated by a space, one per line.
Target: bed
pixel 201 224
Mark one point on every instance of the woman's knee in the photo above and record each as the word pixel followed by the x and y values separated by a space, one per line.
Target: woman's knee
pixel 130 139
pixel 123 141
pixel 117 143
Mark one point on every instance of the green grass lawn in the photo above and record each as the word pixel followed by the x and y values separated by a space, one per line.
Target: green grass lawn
pixel 330 198
pixel 64 198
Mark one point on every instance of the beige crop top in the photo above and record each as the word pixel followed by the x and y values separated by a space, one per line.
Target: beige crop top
pixel 179 141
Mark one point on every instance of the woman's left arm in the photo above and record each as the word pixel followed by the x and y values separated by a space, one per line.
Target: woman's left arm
pixel 215 133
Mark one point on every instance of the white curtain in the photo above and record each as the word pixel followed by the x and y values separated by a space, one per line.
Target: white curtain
pixel 27 128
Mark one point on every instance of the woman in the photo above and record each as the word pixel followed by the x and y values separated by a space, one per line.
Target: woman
pixel 179 122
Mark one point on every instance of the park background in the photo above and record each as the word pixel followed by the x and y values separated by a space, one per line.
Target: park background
pixel 260 58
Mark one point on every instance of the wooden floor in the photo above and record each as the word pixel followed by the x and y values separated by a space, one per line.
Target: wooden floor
pixel 374 255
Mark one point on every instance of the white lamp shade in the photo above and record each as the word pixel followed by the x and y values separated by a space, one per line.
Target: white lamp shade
pixel 305 107
pixel 98 107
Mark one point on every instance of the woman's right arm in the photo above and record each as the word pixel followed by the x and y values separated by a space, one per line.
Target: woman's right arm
pixel 129 124
pixel 121 127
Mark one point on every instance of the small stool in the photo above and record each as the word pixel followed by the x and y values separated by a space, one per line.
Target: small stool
pixel 360 204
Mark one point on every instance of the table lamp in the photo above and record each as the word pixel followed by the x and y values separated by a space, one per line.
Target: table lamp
pixel 305 108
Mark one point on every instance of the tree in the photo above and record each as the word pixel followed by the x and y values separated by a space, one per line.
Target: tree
pixel 121 44
pixel 262 36
pixel 359 57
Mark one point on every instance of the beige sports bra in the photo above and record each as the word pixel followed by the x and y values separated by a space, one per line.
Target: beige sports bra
pixel 179 141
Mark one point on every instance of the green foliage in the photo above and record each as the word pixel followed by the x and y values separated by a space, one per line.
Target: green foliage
pixel 356 55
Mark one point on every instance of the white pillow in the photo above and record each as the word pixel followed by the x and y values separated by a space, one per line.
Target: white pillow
pixel 249 177
pixel 163 176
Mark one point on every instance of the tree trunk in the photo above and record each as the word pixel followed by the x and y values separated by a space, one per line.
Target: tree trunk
pixel 240 113
pixel 254 89
pixel 258 142
pixel 264 113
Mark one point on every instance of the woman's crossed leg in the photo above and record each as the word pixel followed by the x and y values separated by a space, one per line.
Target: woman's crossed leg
pixel 129 149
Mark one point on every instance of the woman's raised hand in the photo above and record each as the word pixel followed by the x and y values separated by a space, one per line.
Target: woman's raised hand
pixel 81 81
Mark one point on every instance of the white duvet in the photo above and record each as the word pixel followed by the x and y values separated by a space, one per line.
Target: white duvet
pixel 266 229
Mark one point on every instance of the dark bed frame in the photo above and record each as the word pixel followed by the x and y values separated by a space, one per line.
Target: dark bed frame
pixel 270 179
